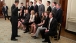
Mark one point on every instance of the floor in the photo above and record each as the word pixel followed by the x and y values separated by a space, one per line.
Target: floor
pixel 68 35
pixel 5 34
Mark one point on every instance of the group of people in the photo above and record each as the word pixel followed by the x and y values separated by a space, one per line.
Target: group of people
pixel 35 19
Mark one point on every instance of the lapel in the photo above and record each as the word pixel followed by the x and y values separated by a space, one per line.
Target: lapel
pixel 51 21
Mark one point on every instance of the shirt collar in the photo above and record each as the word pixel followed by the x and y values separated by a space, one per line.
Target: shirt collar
pixel 54 6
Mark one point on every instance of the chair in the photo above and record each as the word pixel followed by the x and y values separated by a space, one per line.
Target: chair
pixel 57 37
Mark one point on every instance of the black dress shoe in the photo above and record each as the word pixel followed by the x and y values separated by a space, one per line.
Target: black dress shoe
pixel 14 39
pixel 34 37
pixel 25 32
pixel 18 36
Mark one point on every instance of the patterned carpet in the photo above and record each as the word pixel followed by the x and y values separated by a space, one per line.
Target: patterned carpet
pixel 5 35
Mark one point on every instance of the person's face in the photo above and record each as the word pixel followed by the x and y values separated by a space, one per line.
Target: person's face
pixel 21 4
pixel 26 11
pixel 45 14
pixel 57 6
pixel 30 3
pixel 53 4
pixel 36 14
pixel 34 2
pixel 39 2
pixel 47 4
pixel 50 15
pixel 16 4
pixel 27 3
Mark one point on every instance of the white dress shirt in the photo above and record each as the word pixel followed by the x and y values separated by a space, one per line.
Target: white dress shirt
pixel 49 23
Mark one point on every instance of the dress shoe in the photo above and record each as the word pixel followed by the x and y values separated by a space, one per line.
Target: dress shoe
pixel 25 32
pixel 18 36
pixel 34 37
pixel 14 39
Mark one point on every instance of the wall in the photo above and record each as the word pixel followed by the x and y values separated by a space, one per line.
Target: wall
pixel 71 16
pixel 10 2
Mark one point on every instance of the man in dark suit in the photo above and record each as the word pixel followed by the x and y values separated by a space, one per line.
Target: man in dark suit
pixel 54 8
pixel 59 12
pixel 41 8
pixel 58 16
pixel 14 21
pixel 26 21
pixel 22 7
pixel 5 11
pixel 51 29
pixel 31 7
pixel 35 6
pixel 49 7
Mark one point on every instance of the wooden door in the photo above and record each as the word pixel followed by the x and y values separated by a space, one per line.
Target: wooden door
pixel 27 0
pixel 64 8
pixel 1 5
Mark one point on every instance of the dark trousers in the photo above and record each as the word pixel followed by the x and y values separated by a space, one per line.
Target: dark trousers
pixel 27 27
pixel 14 30
pixel 6 15
pixel 46 35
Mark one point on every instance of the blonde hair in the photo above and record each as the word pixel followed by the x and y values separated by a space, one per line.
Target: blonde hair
pixel 32 12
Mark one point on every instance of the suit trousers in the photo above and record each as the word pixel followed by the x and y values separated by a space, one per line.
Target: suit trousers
pixel 45 35
pixel 14 30
pixel 38 31
pixel 6 15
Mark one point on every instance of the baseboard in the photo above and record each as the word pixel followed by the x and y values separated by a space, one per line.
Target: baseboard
pixel 70 32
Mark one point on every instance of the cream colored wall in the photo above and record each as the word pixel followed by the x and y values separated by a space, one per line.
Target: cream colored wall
pixel 71 16
pixel 10 2
pixel 21 1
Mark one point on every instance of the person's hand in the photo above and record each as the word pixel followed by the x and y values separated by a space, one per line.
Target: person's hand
pixel 46 30
pixel 22 20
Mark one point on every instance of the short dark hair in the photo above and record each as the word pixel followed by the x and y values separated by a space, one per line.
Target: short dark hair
pixel 59 4
pixel 21 3
pixel 31 2
pixel 52 14
pixel 16 1
pixel 49 2
pixel 55 3
pixel 40 0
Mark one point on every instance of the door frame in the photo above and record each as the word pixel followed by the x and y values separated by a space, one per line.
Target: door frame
pixel 64 12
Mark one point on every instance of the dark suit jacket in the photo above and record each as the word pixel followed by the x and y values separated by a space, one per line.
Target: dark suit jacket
pixel 54 11
pixel 46 22
pixel 20 16
pixel 23 9
pixel 59 15
pixel 37 19
pixel 31 8
pixel 27 17
pixel 53 27
pixel 3 9
pixel 36 8
pixel 49 9
pixel 41 9
pixel 14 16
